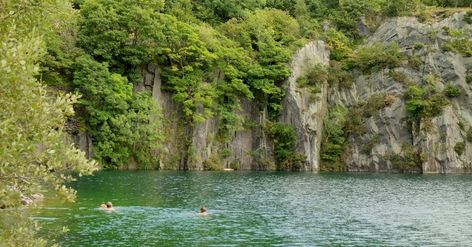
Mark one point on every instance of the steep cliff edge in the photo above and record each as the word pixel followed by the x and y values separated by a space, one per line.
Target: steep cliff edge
pixel 435 144
pixel 197 147
pixel 303 109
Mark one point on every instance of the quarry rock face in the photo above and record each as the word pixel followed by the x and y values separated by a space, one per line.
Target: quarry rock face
pixel 435 140
pixel 303 109
pixel 439 144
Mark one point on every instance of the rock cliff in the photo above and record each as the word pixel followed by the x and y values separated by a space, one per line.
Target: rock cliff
pixel 389 140
pixel 440 142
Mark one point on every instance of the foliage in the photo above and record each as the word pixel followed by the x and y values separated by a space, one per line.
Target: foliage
pixel 268 36
pixel 339 77
pixel 401 7
pixel 339 44
pixel 314 76
pixel 469 135
pixel 452 91
pixel 34 156
pixel 400 77
pixel 375 103
pixel 468 17
pixel 415 62
pixel 334 140
pixel 284 138
pixel 459 148
pixel 460 46
pixel 376 57
pixel 419 46
pixel 121 122
pixel 213 163
pixel 121 32
pixel 424 101
pixel 410 160
pixel 460 42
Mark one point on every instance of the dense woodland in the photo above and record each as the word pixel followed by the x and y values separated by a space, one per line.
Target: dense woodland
pixel 85 57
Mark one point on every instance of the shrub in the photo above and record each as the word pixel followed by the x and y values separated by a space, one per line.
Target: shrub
pixel 284 138
pixel 355 125
pixel 410 159
pixel 468 17
pixel 424 102
pixel 452 91
pixel 375 103
pixel 213 163
pixel 337 76
pixel 314 77
pixel 235 165
pixel 367 147
pixel 469 135
pixel 415 62
pixel 375 57
pixel 459 45
pixel 399 77
pixel 468 77
pixel 389 100
pixel 334 140
pixel 419 46
pixel 317 74
pixel 316 89
pixel 225 153
pixel 459 148
pixel 339 45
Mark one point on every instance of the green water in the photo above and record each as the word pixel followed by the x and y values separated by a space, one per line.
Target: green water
pixel 265 209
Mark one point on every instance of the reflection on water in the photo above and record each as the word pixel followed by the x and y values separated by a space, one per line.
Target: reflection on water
pixel 257 208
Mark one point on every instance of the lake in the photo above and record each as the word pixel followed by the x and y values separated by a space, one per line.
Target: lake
pixel 160 208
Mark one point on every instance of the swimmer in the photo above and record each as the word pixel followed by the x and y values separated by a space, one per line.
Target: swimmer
pixel 203 211
pixel 107 206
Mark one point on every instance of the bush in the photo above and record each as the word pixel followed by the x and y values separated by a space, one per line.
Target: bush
pixel 468 17
pixel 339 44
pixel 410 159
pixel 375 103
pixel 459 45
pixel 459 148
pixel 213 163
pixel 389 100
pixel 424 102
pixel 415 62
pixel 284 138
pixel 235 165
pixel 314 77
pixel 419 46
pixel 399 77
pixel 452 91
pixel 469 134
pixel 337 76
pixel 468 77
pixel 355 125
pixel 376 57
pixel 401 7
pixel 334 140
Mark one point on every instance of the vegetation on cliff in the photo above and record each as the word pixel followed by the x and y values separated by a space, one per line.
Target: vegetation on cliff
pixel 90 54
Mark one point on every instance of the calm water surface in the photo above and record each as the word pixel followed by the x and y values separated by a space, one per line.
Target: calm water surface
pixel 265 209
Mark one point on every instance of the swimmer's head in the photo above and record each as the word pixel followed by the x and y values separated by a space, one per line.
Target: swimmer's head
pixel 109 205
pixel 203 210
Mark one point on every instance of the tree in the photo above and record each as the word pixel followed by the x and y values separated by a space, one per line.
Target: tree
pixel 122 123
pixel 35 155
